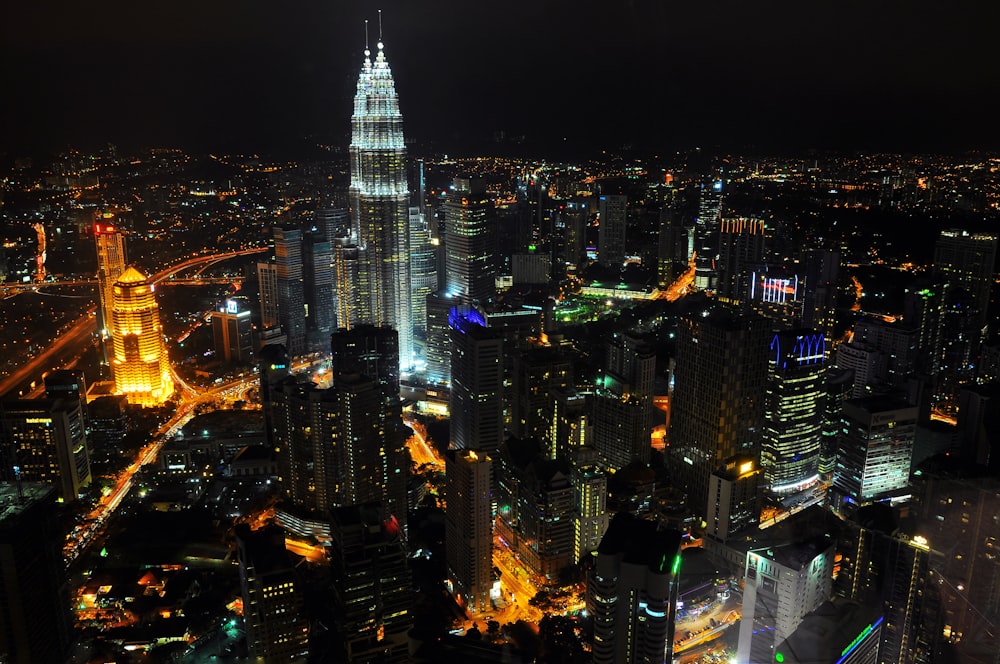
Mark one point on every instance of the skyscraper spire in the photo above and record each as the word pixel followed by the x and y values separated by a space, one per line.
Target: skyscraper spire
pixel 380 203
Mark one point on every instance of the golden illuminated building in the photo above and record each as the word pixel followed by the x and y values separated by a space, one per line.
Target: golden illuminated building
pixel 139 365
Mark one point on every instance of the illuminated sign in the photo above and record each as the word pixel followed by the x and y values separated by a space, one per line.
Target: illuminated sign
pixel 232 306
pixel 778 290
pixel 857 640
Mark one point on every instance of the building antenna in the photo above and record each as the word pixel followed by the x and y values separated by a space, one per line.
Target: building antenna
pixel 380 25
pixel 366 34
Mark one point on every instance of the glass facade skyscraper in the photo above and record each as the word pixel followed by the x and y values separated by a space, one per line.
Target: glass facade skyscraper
pixel 380 204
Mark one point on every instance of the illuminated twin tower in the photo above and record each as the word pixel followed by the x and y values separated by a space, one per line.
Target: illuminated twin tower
pixel 380 204
pixel 130 323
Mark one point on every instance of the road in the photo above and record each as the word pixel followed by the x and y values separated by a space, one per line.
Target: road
pixel 80 333
pixel 76 336
pixel 85 533
pixel 422 452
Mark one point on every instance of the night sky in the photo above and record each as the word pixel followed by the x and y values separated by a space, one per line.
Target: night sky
pixel 243 74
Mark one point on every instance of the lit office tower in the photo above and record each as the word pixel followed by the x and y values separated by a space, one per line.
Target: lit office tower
pixel 470 241
pixel 46 440
pixel 318 288
pixel 793 410
pixel 372 593
pixel 272 597
pixel 140 366
pixel 468 535
pixel 612 214
pixel 783 583
pixel 35 622
pixel 232 331
pixel 439 306
pixel 733 499
pixel 290 287
pixel 632 592
pixel 718 398
pixel 110 264
pixel 623 401
pixel 875 449
pixel 967 261
pixel 741 252
pixel 380 204
pixel 476 402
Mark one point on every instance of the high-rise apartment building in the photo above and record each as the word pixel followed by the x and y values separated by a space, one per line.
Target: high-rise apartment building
pixel 111 264
pixel 793 410
pixel 470 242
pixel 884 567
pixel 290 287
pixel 35 623
pixel 741 252
pixel 139 366
pixel 718 399
pixel 590 491
pixel 476 402
pixel 318 287
pixel 469 528
pixel 632 592
pixel 967 261
pixel 784 583
pixel 536 372
pixel 272 597
pixel 612 211
pixel 819 301
pixel 372 591
pixel 709 210
pixel 623 401
pixel 874 450
pixel 380 204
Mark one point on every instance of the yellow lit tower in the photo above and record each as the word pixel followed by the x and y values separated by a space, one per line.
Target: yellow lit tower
pixel 139 365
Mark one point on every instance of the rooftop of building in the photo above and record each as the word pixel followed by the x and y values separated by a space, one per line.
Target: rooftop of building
pixel 880 403
pixel 827 634
pixel 641 542
pixel 224 422
pixel 15 501
pixel 796 554
pixel 265 548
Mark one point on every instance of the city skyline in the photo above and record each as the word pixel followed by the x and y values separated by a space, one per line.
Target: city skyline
pixel 561 76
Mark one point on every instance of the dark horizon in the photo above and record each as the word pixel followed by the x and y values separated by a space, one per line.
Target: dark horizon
pixel 912 77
